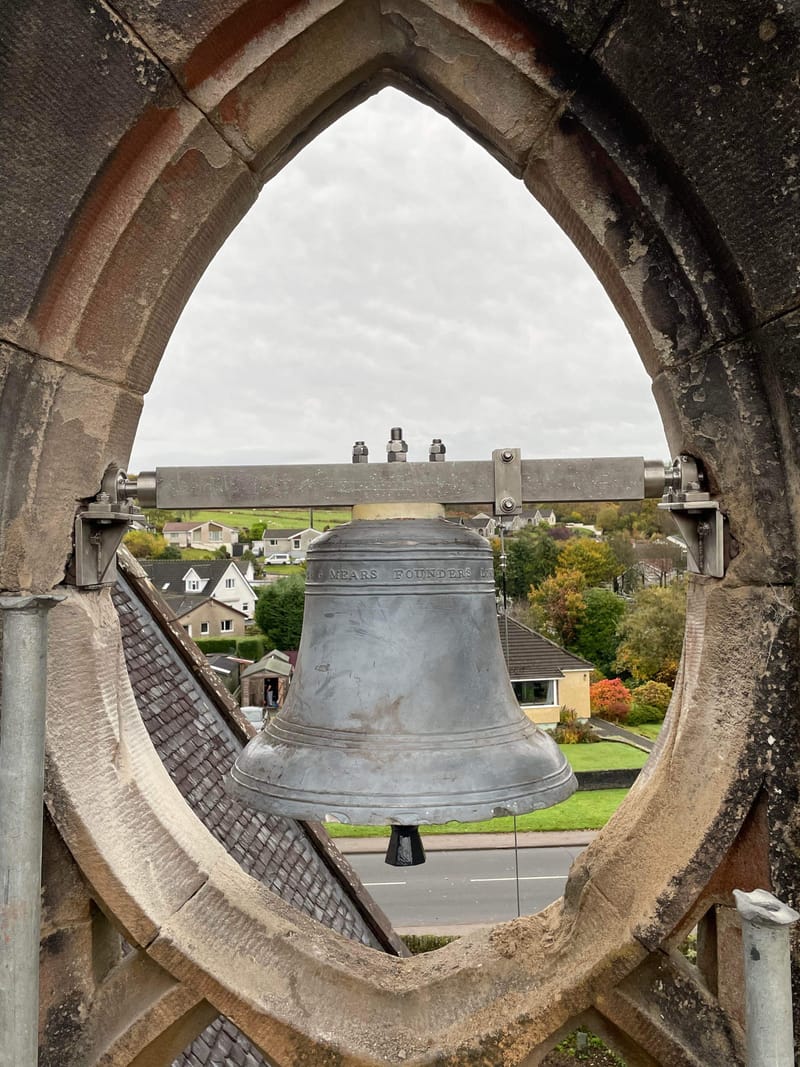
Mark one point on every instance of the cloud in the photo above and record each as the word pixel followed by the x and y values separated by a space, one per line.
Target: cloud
pixel 396 274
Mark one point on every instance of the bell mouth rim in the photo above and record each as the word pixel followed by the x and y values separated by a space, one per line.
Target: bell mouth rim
pixel 389 810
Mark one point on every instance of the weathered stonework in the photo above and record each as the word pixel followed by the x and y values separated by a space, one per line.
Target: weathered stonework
pixel 663 138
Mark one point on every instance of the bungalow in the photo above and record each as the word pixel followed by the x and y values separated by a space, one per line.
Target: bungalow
pixel 208 535
pixel 531 518
pixel 295 541
pixel 184 583
pixel 543 676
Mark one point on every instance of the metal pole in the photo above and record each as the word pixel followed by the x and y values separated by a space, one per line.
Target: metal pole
pixel 22 721
pixel 766 924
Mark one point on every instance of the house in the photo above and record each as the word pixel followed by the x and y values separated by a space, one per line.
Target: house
pixel 481 523
pixel 527 519
pixel 209 535
pixel 543 675
pixel 210 596
pixel 295 541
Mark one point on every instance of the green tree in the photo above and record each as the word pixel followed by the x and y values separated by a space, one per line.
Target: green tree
pixel 558 605
pixel 279 612
pixel 607 517
pixel 532 556
pixel 596 636
pixel 594 559
pixel 170 552
pixel 651 634
pixel 144 545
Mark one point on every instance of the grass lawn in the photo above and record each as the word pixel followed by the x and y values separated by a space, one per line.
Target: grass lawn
pixel 277 519
pixel 603 756
pixel 582 811
pixel 647 729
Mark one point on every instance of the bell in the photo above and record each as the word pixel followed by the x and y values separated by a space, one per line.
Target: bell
pixel 401 711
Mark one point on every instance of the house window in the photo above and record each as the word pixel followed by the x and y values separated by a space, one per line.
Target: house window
pixel 188 630
pixel 272 541
pixel 174 536
pixel 215 535
pixel 296 543
pixel 535 692
pixel 226 626
pixel 196 535
pixel 245 608
pixel 229 582
pixel 192 585
pixel 204 628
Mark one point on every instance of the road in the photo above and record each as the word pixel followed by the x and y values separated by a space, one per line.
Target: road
pixel 465 888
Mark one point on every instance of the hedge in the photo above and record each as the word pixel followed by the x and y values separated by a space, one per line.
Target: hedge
pixel 216 644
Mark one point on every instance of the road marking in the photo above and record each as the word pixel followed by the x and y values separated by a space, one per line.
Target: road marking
pixel 529 878
pixel 370 884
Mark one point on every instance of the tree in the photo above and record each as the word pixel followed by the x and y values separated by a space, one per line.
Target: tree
pixel 558 605
pixel 594 559
pixel 279 611
pixel 596 636
pixel 610 699
pixel 652 634
pixel 144 545
pixel 532 556
pixel 607 517
pixel 170 552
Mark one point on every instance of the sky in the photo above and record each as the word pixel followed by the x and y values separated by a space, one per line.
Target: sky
pixel 395 274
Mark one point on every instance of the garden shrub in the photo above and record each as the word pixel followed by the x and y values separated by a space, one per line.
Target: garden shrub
pixel 216 644
pixel 419 943
pixel 656 694
pixel 570 731
pixel 610 699
pixel 250 648
pixel 640 713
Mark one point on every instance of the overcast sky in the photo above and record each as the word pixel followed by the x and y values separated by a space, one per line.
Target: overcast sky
pixel 394 274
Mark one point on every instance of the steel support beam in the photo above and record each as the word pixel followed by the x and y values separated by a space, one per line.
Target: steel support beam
pixel 347 484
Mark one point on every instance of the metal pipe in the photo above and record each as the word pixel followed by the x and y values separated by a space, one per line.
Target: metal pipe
pixel 766 925
pixel 347 484
pixel 24 698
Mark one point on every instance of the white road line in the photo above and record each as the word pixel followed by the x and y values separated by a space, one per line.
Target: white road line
pixel 529 878
pixel 370 884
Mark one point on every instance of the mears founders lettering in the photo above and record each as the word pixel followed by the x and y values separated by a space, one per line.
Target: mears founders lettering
pixel 347 575
pixel 408 574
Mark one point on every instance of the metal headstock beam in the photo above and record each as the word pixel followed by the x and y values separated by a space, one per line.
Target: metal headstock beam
pixel 348 484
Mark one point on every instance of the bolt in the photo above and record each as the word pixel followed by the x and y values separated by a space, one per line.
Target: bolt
pixel 437 450
pixel 396 449
pixel 507 455
pixel 360 452
pixel 508 503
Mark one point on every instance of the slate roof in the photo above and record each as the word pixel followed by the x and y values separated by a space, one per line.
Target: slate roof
pixel 183 603
pixel 198 732
pixel 530 656
pixel 173 571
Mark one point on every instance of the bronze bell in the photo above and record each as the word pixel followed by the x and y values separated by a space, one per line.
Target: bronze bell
pixel 401 710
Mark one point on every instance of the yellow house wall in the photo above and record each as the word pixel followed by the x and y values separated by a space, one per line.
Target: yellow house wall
pixel 573 690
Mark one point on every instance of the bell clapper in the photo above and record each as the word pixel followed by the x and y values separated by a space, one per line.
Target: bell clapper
pixel 405 847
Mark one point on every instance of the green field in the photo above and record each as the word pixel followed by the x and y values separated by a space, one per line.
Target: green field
pixel 582 811
pixel 277 519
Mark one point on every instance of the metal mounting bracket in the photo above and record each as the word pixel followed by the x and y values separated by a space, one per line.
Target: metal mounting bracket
pixel 100 526
pixel 507 481
pixel 697 516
